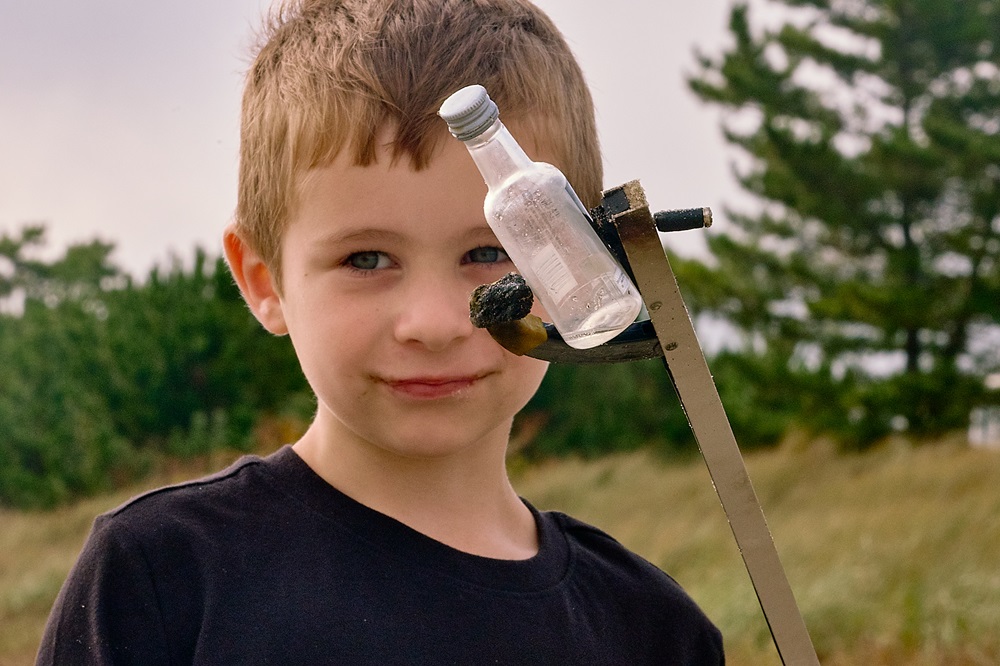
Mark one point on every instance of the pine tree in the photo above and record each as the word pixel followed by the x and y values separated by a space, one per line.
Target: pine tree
pixel 872 129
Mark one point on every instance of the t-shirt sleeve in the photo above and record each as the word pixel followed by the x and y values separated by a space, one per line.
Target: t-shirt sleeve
pixel 107 610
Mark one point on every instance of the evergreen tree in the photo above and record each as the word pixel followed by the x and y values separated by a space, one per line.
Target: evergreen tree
pixel 99 373
pixel 58 434
pixel 872 129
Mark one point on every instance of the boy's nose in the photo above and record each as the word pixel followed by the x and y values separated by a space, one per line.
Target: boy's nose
pixel 434 313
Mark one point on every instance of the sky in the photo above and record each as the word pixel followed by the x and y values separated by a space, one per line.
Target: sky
pixel 119 120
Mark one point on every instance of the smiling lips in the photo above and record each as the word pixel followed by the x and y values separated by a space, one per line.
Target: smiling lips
pixel 430 388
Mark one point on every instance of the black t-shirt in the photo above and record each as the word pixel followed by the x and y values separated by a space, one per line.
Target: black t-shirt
pixel 266 563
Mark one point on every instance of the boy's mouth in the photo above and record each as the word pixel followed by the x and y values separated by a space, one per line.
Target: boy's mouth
pixel 430 388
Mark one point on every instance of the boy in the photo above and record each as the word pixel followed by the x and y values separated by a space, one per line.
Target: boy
pixel 389 533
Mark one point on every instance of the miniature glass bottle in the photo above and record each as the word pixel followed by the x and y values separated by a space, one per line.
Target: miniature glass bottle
pixel 544 228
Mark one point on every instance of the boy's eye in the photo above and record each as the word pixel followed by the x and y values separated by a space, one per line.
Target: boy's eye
pixel 368 261
pixel 486 255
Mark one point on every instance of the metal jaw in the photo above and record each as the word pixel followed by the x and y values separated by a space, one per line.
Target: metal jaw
pixel 628 228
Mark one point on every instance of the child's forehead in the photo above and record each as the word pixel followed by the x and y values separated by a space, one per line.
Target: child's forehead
pixel 393 195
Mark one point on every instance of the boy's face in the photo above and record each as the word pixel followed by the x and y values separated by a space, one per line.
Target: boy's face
pixel 378 264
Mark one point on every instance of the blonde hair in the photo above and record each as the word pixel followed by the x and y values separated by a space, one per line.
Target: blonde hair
pixel 329 75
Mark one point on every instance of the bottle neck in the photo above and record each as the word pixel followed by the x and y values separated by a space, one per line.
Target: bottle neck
pixel 497 154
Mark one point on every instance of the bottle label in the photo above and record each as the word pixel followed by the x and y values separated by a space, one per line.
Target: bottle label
pixel 553 272
pixel 621 279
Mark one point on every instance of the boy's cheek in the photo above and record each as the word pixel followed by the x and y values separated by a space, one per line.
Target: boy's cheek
pixel 532 371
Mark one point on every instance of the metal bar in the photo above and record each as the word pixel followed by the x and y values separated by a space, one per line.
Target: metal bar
pixel 689 372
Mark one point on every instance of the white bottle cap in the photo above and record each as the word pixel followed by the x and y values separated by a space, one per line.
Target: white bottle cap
pixel 469 112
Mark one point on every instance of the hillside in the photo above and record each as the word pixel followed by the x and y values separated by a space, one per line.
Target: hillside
pixel 893 555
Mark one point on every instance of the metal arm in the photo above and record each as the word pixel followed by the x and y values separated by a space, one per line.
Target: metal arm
pixel 692 379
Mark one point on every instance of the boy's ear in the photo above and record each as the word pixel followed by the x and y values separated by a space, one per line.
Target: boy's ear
pixel 255 281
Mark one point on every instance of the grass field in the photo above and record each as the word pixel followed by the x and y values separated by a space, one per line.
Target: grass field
pixel 894 555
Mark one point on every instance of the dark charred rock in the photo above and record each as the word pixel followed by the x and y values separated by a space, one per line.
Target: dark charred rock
pixel 506 300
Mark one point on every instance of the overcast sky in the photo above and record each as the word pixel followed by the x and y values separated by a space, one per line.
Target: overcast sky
pixel 119 119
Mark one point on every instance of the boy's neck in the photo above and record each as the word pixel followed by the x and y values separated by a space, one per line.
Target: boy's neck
pixel 464 500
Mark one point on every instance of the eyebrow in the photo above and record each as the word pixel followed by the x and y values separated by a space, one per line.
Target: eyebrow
pixel 478 233
pixel 364 235
pixel 376 236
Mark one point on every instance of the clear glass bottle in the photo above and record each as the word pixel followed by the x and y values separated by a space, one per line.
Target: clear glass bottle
pixel 544 228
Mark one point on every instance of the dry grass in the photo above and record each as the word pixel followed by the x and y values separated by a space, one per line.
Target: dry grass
pixel 894 556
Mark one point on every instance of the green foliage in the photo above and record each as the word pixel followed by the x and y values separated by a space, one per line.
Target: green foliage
pixel 58 439
pixel 873 132
pixel 759 395
pixel 98 373
pixel 591 410
pixel 185 343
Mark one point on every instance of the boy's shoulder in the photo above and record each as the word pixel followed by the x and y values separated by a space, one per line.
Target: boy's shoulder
pixel 218 482
pixel 203 504
pixel 605 569
pixel 596 549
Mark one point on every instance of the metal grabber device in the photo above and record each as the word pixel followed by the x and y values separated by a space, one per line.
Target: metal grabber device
pixel 625 224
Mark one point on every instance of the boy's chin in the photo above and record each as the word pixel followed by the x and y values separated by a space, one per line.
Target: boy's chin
pixel 438 439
